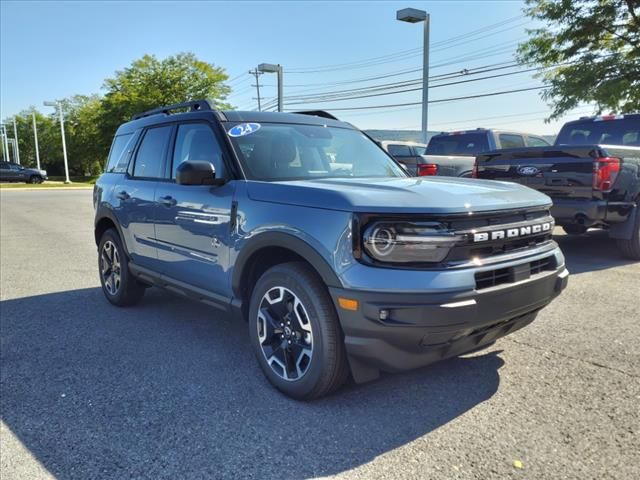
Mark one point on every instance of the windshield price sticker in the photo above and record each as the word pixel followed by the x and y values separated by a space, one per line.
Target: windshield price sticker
pixel 244 129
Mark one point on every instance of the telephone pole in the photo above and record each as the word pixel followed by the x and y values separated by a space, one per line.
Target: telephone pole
pixel 255 72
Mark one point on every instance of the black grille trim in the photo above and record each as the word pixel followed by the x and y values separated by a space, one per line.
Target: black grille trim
pixel 501 276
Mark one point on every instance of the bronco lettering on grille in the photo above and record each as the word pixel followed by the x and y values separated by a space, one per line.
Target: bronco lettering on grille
pixel 512 232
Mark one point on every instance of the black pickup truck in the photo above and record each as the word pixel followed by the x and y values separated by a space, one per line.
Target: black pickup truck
pixel 592 174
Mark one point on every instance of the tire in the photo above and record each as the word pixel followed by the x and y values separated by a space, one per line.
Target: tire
pixel 118 285
pixel 312 341
pixel 574 229
pixel 35 179
pixel 630 248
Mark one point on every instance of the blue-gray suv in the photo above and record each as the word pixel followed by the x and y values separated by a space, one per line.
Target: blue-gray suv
pixel 303 226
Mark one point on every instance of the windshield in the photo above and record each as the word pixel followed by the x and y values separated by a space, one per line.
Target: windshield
pixel 458 144
pixel 275 151
pixel 613 132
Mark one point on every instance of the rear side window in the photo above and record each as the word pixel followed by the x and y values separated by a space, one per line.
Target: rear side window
pixel 625 131
pixel 508 140
pixel 399 150
pixel 196 141
pixel 537 142
pixel 119 154
pixel 150 157
pixel 458 144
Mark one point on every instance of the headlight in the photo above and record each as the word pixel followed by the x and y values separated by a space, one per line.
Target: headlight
pixel 408 242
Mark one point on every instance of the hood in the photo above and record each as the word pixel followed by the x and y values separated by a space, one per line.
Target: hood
pixel 400 195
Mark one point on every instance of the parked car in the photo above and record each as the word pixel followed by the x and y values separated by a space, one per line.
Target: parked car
pixel 13 172
pixel 592 174
pixel 301 225
pixel 453 153
pixel 408 154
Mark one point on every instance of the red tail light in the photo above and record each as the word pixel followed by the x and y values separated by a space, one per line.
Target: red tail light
pixel 605 172
pixel 427 169
pixel 474 170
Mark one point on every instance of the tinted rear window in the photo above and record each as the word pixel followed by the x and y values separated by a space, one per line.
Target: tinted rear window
pixel 463 144
pixel 625 131
pixel 399 150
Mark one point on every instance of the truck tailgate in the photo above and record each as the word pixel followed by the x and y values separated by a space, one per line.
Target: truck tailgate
pixel 560 171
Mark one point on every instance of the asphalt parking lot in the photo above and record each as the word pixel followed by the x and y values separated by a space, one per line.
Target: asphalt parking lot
pixel 169 389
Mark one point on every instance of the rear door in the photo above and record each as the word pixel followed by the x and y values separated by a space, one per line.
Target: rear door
pixel 193 221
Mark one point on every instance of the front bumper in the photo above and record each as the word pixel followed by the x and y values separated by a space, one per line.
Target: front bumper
pixel 421 328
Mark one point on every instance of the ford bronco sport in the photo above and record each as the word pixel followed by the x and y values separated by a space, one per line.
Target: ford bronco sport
pixel 302 225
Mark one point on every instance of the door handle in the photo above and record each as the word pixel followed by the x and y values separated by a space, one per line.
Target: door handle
pixel 123 195
pixel 168 201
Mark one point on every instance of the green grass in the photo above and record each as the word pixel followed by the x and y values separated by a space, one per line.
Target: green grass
pixel 48 184
pixel 91 179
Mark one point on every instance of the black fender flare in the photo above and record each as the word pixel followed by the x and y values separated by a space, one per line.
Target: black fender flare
pixel 106 213
pixel 283 240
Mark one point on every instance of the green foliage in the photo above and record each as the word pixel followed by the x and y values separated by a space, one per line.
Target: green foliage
pixel 91 121
pixel 597 44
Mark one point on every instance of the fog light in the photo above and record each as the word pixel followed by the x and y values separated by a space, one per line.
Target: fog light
pixel 384 314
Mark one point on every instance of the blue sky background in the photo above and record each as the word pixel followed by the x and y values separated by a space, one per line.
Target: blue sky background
pixel 50 50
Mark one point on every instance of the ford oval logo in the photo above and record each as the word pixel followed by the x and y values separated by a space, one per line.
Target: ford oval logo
pixel 528 171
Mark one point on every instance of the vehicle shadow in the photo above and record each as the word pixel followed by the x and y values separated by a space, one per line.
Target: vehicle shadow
pixel 166 390
pixel 591 251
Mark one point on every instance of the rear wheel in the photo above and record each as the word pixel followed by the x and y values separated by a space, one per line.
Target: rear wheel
pixel 631 247
pixel 295 332
pixel 118 285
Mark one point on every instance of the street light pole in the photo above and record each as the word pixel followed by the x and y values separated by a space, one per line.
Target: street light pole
pixel 5 142
pixel 35 137
pixel 16 148
pixel 58 105
pixel 412 15
pixel 271 68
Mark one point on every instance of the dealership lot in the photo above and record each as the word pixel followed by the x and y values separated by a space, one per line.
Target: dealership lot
pixel 169 389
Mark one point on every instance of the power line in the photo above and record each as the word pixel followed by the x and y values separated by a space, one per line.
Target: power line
pixel 441 100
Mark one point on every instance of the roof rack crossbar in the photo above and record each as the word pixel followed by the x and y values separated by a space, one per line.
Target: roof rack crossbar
pixel 193 106
pixel 317 113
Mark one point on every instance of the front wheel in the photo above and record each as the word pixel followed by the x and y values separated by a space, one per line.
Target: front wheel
pixel 295 332
pixel 35 179
pixel 118 285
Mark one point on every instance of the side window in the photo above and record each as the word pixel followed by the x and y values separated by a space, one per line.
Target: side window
pixel 399 150
pixel 150 157
pixel 119 154
pixel 537 142
pixel 508 140
pixel 196 141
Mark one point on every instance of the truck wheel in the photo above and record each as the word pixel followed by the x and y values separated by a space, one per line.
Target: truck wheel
pixel 118 285
pixel 574 229
pixel 631 247
pixel 295 332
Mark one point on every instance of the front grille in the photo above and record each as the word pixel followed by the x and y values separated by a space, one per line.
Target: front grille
pixel 501 276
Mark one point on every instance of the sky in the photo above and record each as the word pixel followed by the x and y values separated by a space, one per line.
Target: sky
pixel 51 50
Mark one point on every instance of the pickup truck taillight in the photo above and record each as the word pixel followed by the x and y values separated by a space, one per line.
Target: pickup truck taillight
pixel 474 170
pixel 605 172
pixel 427 169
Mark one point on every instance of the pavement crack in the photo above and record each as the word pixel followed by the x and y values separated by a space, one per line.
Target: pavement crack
pixel 564 355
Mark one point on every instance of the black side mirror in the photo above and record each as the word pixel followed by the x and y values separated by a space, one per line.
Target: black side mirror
pixel 197 172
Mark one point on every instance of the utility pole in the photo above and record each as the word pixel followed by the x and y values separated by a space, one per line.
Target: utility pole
pixel 16 149
pixel 35 137
pixel 257 74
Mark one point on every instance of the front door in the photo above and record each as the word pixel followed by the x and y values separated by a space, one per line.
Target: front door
pixel 193 221
pixel 135 197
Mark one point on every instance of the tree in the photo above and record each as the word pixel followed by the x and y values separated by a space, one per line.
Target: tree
pixel 150 82
pixel 594 46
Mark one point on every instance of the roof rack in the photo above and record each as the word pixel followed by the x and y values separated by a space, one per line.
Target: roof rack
pixel 317 113
pixel 193 106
